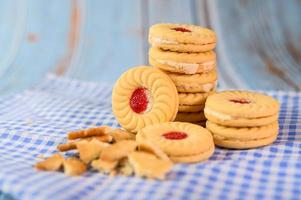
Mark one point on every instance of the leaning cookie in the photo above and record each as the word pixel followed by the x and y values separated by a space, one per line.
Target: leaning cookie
pixel 143 96
pixel 182 142
pixel 241 109
pixel 196 83
pixel 182 37
pixel 243 138
pixel 187 63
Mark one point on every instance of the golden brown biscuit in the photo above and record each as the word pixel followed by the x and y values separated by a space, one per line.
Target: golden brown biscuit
pixel 72 145
pixel 94 131
pixel 119 134
pixel 118 150
pixel 90 150
pixel 104 165
pixel 182 37
pixel 150 147
pixel 74 167
pixel 241 109
pixel 143 96
pixel 66 147
pixel 53 163
pixel 148 165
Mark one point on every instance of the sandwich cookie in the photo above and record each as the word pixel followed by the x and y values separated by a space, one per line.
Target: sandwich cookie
pixel 182 37
pixel 243 138
pixel 193 102
pixel 182 142
pixel 187 63
pixel 143 96
pixel 195 83
pixel 241 109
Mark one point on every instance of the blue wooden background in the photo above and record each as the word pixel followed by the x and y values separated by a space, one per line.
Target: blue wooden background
pixel 259 44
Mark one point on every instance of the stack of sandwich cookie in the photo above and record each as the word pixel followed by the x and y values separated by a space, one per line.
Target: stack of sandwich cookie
pixel 242 119
pixel 185 53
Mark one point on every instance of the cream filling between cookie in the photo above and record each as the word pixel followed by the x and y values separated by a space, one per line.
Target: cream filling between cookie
pixel 162 41
pixel 189 68
pixel 207 87
pixel 218 115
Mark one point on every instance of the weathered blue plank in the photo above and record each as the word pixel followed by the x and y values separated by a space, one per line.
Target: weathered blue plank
pixel 252 45
pixel 110 41
pixel 258 44
pixel 170 11
pixel 42 36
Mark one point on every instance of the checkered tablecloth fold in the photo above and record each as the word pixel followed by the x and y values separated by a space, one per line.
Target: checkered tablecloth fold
pixel 35 121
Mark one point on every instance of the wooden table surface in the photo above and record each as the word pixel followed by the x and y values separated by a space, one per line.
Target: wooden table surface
pixel 259 42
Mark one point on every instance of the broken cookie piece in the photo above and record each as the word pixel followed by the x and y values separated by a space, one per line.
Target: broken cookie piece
pixel 94 131
pixel 148 165
pixel 66 147
pixel 103 165
pixel 120 134
pixel 53 163
pixel 125 168
pixel 90 150
pixel 118 150
pixel 149 147
pixel 72 145
pixel 74 167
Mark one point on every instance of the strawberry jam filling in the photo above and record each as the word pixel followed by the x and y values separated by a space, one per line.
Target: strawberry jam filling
pixel 240 101
pixel 139 100
pixel 181 29
pixel 175 135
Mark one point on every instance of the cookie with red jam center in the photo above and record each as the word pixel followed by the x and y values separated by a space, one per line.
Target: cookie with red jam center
pixel 241 109
pixel 182 142
pixel 182 37
pixel 143 96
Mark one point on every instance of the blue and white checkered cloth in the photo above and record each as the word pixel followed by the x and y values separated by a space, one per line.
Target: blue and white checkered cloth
pixel 36 121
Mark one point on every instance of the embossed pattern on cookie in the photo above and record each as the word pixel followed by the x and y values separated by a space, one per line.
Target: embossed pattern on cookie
pixel 143 96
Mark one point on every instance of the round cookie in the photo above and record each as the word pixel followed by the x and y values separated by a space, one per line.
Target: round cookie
pixel 195 83
pixel 182 37
pixel 243 138
pixel 241 109
pixel 190 117
pixel 187 63
pixel 143 96
pixel 182 142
